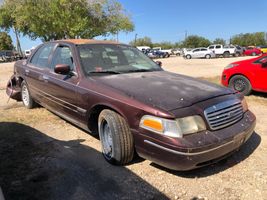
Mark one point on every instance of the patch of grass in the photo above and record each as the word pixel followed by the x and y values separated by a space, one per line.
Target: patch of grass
pixel 215 79
pixel 25 116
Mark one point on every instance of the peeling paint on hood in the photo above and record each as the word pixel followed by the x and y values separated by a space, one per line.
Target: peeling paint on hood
pixel 163 89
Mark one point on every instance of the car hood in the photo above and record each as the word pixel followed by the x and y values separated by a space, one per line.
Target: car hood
pixel 163 89
pixel 249 60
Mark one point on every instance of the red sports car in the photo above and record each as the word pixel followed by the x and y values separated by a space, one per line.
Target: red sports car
pixel 246 75
pixel 252 51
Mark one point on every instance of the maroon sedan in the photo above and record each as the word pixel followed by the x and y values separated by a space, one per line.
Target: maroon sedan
pixel 115 91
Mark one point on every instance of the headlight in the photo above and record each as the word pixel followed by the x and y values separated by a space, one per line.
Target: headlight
pixel 244 104
pixel 231 66
pixel 173 128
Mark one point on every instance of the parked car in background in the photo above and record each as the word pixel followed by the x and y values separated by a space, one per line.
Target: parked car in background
pixel 176 52
pixel 9 56
pixel 115 91
pixel 246 75
pixel 27 53
pixel 183 50
pixel 263 49
pixel 167 51
pixel 153 53
pixel 239 50
pixel 221 50
pixel 199 53
pixel 252 51
pixel 143 48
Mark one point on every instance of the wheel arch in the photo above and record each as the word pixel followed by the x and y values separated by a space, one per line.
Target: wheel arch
pixel 93 115
pixel 20 80
pixel 240 74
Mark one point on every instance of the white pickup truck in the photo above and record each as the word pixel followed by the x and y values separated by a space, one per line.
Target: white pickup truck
pixel 221 50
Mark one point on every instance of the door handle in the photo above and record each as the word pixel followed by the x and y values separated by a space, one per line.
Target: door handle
pixel 45 78
pixel 27 72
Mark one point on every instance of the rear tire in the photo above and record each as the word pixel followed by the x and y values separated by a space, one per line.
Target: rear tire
pixel 240 84
pixel 226 54
pixel 27 100
pixel 116 138
pixel 208 56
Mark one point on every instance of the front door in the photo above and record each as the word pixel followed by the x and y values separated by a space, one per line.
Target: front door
pixel 260 75
pixel 62 88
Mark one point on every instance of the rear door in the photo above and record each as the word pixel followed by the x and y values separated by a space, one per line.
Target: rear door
pixel 35 73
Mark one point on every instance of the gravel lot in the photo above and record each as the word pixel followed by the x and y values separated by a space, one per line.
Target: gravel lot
pixel 44 157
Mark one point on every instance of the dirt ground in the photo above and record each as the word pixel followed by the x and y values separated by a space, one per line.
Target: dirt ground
pixel 45 157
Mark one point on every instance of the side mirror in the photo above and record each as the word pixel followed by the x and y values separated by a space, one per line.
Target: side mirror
pixel 159 63
pixel 264 63
pixel 63 69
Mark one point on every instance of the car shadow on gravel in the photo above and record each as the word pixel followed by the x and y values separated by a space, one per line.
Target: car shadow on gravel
pixel 35 166
pixel 259 94
pixel 244 152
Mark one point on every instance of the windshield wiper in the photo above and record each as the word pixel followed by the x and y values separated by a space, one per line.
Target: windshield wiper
pixel 104 72
pixel 140 70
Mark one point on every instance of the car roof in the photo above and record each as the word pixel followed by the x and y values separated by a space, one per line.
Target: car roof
pixel 87 41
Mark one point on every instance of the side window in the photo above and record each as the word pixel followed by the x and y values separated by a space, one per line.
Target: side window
pixel 196 50
pixel 261 59
pixel 63 55
pixel 211 47
pixel 40 58
pixel 203 49
pixel 218 47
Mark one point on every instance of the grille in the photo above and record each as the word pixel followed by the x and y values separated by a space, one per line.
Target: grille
pixel 224 114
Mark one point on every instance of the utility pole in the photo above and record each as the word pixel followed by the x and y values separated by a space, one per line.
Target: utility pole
pixel 135 38
pixel 117 36
pixel 185 36
pixel 18 42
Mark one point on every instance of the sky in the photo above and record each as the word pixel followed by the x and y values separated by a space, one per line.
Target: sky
pixel 170 20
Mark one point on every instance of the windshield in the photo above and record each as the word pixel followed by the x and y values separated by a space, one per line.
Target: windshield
pixel 114 58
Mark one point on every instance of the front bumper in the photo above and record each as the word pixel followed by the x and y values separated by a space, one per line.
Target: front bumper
pixel 176 158
pixel 13 89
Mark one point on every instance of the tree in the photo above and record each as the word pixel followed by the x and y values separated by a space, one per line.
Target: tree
pixel 164 45
pixel 195 41
pixel 58 19
pixel 5 41
pixel 7 19
pixel 249 39
pixel 219 41
pixel 145 41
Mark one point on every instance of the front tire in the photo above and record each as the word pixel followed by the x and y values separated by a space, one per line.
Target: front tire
pixel 116 138
pixel 27 100
pixel 240 84
pixel 188 56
